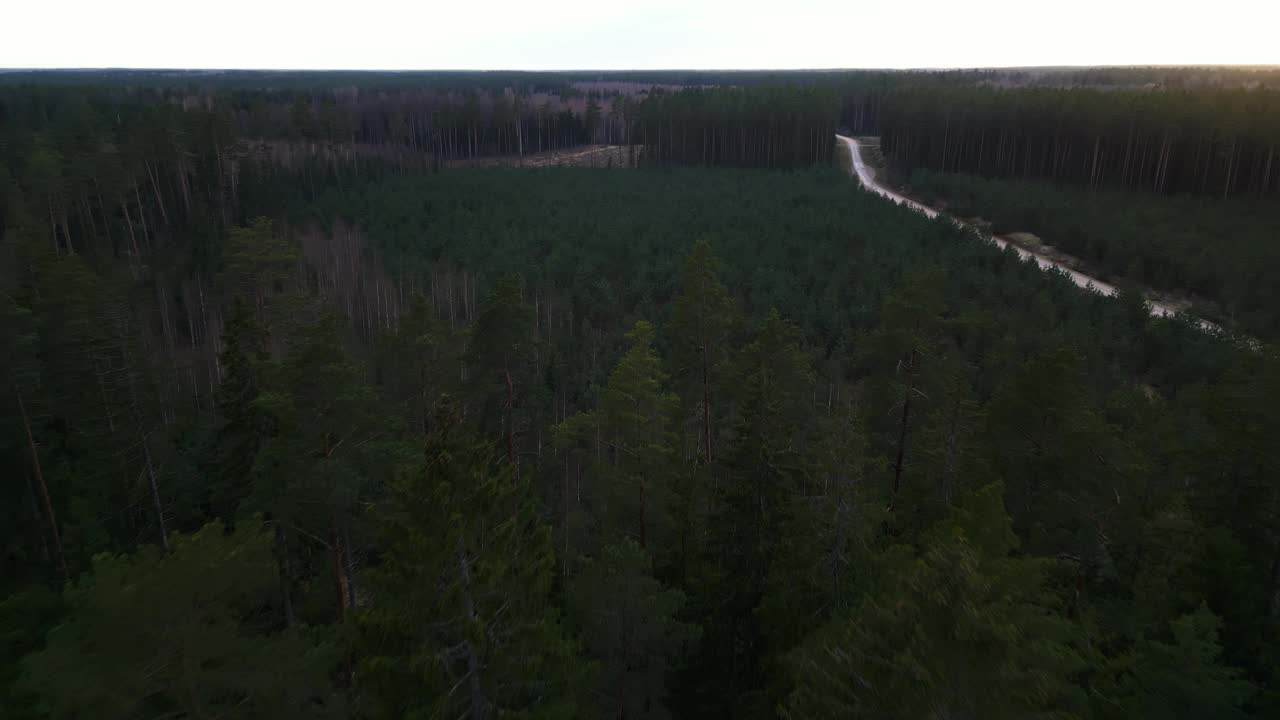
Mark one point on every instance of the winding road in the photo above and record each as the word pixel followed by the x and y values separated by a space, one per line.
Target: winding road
pixel 867 176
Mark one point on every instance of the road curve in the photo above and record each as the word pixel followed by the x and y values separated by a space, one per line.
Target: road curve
pixel 867 177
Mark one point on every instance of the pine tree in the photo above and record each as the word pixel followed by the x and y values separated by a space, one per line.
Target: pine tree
pixel 829 535
pixel 258 264
pixel 633 505
pixel 628 621
pixel 963 629
pixel 1060 457
pixel 325 455
pixel 700 342
pixel 499 363
pixel 461 623
pixel 416 364
pixel 232 446
pixel 20 373
pixel 764 472
pixel 631 484
pixel 1178 677
pixel 911 339
pixel 165 634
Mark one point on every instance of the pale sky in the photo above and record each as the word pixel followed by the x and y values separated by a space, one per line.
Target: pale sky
pixel 633 34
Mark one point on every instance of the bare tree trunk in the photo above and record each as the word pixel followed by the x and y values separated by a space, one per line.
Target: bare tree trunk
pixel 1266 173
pixel 66 231
pixel 511 401
pixel 142 214
pixel 285 570
pixel 155 186
pixel 339 573
pixel 706 406
pixel 1231 164
pixel 479 705
pixel 565 521
pixel 55 537
pixel 155 493
pixel 1093 171
pixel 349 562
pixel 902 429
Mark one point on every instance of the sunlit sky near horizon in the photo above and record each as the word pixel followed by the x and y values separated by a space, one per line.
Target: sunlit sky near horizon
pixel 631 34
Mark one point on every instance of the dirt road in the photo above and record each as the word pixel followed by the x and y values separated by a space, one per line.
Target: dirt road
pixel 867 176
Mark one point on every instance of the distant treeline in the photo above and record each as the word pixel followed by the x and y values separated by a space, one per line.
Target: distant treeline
pixel 102 170
pixel 770 127
pixel 112 158
pixel 1166 77
pixel 1206 142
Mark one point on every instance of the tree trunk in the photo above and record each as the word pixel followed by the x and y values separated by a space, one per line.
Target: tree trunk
pixel 155 186
pixel 155 493
pixel 142 215
pixel 706 406
pixel 339 574
pixel 479 706
pixel 54 535
pixel 902 429
pixel 1231 168
pixel 1266 173
pixel 349 562
pixel 511 401
pixel 285 572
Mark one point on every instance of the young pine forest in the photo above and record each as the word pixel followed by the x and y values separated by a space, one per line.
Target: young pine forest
pixel 301 418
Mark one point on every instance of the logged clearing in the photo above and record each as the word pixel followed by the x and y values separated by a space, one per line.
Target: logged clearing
pixel 595 156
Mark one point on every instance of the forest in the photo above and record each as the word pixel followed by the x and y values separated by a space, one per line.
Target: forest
pixel 1205 142
pixel 357 434
pixel 1218 252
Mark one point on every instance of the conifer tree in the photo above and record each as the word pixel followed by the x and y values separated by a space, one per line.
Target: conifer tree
pixel 461 622
pixel 632 485
pixel 629 624
pixel 241 429
pixel 1181 676
pixel 416 364
pixel 963 629
pixel 499 362
pixel 326 453
pixel 165 634
pixel 700 332
pixel 764 471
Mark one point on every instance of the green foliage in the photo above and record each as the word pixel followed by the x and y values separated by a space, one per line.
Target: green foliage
pixel 769 127
pixel 498 362
pixel 633 486
pixel 628 621
pixel 764 469
pixel 700 332
pixel 462 624
pixel 1216 254
pixel 326 456
pixel 1178 677
pixel 794 313
pixel 1060 457
pixel 962 629
pixel 178 634
pixel 323 452
pixel 1204 141
pixel 233 445
pixel 416 365
pixel 25 617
